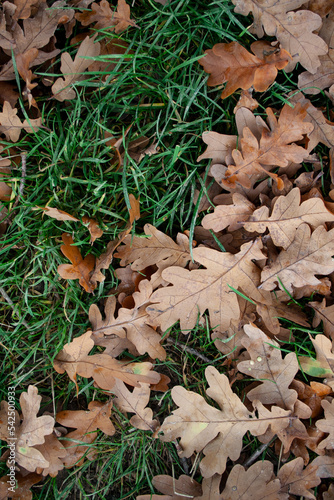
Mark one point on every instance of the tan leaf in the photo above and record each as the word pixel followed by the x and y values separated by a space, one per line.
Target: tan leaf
pixel 324 314
pixel 73 70
pixel 296 481
pixel 53 451
pixel 287 215
pixel 324 77
pixel 23 8
pixel 22 489
pixel 307 256
pixel 246 101
pixel 86 424
pixel 256 158
pixel 255 483
pixel 219 147
pixel 93 228
pixel 266 364
pixel 105 18
pixel 323 130
pixel 232 63
pixel 55 213
pixel 294 30
pixel 131 323
pixel 230 215
pixel 135 402
pixel 327 425
pixel 159 249
pixel 80 268
pixel 193 292
pixel 74 359
pixel 218 433
pixel 23 63
pixel 32 431
pixel 174 489
pixel 324 288
pixel 12 126
pixel 327 30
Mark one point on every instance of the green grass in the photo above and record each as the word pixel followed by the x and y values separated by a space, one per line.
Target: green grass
pixel 160 89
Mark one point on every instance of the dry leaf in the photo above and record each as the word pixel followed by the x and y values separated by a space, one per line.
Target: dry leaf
pixel 256 159
pixel 23 485
pixel 323 366
pixel 324 77
pixel 93 228
pixel 73 70
pixel 296 481
pixel 294 30
pixel 74 359
pixel 174 489
pixel 266 364
pixel 135 402
pixel 324 314
pixel 80 268
pixel 308 255
pixel 218 433
pixel 130 323
pixel 327 425
pixel 105 18
pixel 287 215
pixel 219 148
pixel 12 126
pixel 159 249
pixel 55 213
pixel 53 451
pixel 232 63
pixel 230 215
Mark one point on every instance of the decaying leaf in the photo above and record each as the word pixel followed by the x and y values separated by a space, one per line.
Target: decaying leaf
pixel 287 215
pixel 324 314
pixel 105 18
pixel 193 292
pixel 58 214
pixel 218 433
pixel 231 216
pixel 93 228
pixel 130 323
pixel 74 359
pixel 23 485
pixel 80 268
pixel 232 63
pixel 174 489
pixel 323 366
pixel 73 70
pixel 327 425
pixel 307 255
pixel 11 125
pixel 294 30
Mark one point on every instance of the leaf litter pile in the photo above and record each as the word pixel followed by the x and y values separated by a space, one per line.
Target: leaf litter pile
pixel 262 251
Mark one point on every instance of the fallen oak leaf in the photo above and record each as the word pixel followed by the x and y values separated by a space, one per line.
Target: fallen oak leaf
pixel 323 365
pixel 218 433
pixel 23 8
pixel 231 216
pixel 56 213
pixel 11 125
pixel 105 18
pixel 327 425
pixel 308 255
pixel 93 228
pixel 130 323
pixel 74 359
pixel 287 215
pixel 324 314
pixel 53 451
pixel 73 70
pixel 232 63
pixel 323 78
pixel 294 30
pixel 80 268
pixel 22 489
pixel 174 489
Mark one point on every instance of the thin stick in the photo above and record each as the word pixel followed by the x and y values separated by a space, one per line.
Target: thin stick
pixel 257 453
pixel 11 303
pixel 190 350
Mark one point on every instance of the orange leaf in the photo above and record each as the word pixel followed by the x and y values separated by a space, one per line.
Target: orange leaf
pixel 80 268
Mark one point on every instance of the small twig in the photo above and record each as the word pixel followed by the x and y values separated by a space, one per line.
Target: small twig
pixel 11 303
pixel 189 350
pixel 257 453
pixel 23 178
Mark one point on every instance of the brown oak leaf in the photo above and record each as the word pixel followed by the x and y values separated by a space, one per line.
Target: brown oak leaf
pixel 53 451
pixel 58 214
pixel 324 77
pixel 294 30
pixel 11 125
pixel 323 365
pixel 231 216
pixel 23 485
pixel 73 70
pixel 193 292
pixel 286 216
pixel 80 268
pixel 324 314
pixel 130 323
pixel 174 489
pixel 327 425
pixel 218 433
pixel 308 255
pixel 93 228
pixel 74 359
pixel 105 18
pixel 232 63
